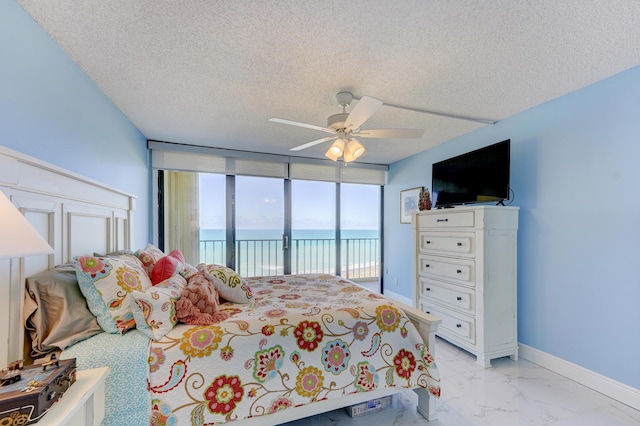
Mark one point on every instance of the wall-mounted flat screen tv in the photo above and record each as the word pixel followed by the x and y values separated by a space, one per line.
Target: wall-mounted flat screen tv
pixel 480 176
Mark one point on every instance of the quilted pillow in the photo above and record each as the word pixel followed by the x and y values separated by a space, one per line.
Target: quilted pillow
pixel 149 256
pixel 199 303
pixel 107 283
pixel 154 309
pixel 166 267
pixel 228 283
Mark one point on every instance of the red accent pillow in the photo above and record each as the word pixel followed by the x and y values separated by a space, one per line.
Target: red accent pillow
pixel 167 266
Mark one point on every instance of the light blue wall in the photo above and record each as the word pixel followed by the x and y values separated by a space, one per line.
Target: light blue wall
pixel 51 110
pixel 575 170
pixel 575 173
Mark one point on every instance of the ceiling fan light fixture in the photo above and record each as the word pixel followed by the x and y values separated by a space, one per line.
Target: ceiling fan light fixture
pixel 358 151
pixel 337 148
pixel 353 150
pixel 331 155
pixel 348 157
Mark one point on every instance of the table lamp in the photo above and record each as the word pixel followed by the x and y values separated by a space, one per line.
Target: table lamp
pixel 17 237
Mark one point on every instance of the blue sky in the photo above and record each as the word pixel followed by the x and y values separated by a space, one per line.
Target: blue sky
pixel 260 204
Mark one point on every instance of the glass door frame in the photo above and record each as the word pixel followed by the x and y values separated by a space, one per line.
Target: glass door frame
pixel 230 231
pixel 230 238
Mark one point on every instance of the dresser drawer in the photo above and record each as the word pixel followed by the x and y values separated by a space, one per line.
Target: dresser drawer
pixel 451 295
pixel 448 243
pixel 446 219
pixel 460 270
pixel 453 323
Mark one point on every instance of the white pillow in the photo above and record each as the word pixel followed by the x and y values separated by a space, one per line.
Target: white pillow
pixel 229 284
pixel 154 309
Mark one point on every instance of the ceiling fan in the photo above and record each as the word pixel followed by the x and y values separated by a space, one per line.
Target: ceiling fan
pixel 344 127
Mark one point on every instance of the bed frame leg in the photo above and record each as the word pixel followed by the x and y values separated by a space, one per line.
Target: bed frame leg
pixel 426 404
pixel 427 326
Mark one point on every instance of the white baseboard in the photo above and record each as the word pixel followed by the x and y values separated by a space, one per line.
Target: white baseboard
pixel 619 391
pixel 605 385
pixel 398 297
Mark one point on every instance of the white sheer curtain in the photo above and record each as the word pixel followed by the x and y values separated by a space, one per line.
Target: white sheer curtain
pixel 181 213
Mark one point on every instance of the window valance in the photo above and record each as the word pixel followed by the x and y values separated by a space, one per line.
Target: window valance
pixel 172 156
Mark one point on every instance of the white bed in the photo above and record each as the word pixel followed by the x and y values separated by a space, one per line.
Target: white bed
pixel 79 216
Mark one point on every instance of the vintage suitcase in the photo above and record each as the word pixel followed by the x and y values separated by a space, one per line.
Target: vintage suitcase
pixel 26 400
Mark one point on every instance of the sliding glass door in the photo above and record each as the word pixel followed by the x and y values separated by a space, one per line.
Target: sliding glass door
pixel 270 226
pixel 259 225
pixel 212 208
pixel 360 232
pixel 313 227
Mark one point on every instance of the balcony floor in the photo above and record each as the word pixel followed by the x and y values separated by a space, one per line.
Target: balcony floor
pixel 374 286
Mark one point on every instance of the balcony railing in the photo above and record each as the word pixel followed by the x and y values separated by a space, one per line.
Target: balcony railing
pixel 359 256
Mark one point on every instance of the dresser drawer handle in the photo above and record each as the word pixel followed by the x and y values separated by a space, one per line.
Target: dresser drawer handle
pixel 458 298
pixel 427 242
pixel 459 325
pixel 459 244
pixel 458 271
pixel 426 265
pixel 428 288
pixel 427 312
pixel 442 220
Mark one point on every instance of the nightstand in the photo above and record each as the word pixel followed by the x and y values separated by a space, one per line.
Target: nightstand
pixel 82 404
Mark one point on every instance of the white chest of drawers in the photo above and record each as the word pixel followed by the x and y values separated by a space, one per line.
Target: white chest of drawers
pixel 465 267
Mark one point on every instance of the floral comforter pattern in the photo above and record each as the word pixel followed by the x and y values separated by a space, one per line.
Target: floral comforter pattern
pixel 303 338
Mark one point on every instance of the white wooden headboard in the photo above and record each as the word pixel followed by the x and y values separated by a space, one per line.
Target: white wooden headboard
pixel 74 214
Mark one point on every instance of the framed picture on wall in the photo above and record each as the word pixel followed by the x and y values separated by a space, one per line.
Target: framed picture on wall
pixel 409 199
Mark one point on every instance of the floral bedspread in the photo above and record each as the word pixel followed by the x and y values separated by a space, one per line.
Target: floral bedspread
pixel 303 338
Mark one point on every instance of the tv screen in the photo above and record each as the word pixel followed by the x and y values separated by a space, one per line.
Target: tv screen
pixel 479 176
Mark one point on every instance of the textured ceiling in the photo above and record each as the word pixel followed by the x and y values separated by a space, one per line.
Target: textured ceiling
pixel 212 73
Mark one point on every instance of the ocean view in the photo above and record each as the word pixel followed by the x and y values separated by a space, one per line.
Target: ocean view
pixel 263 234
pixel 259 251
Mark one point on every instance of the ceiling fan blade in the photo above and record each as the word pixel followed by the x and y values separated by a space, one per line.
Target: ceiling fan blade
pixel 392 133
pixel 312 143
pixel 364 109
pixel 299 124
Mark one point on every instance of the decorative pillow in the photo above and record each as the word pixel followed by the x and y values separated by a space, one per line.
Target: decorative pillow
pixel 188 271
pixel 56 312
pixel 115 253
pixel 228 283
pixel 149 256
pixel 169 265
pixel 199 303
pixel 107 283
pixel 154 309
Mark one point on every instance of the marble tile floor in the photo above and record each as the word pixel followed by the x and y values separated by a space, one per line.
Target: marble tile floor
pixel 510 393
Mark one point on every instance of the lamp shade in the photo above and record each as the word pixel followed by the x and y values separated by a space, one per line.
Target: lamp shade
pixel 17 237
pixel 331 155
pixel 337 147
pixel 353 150
pixel 335 151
